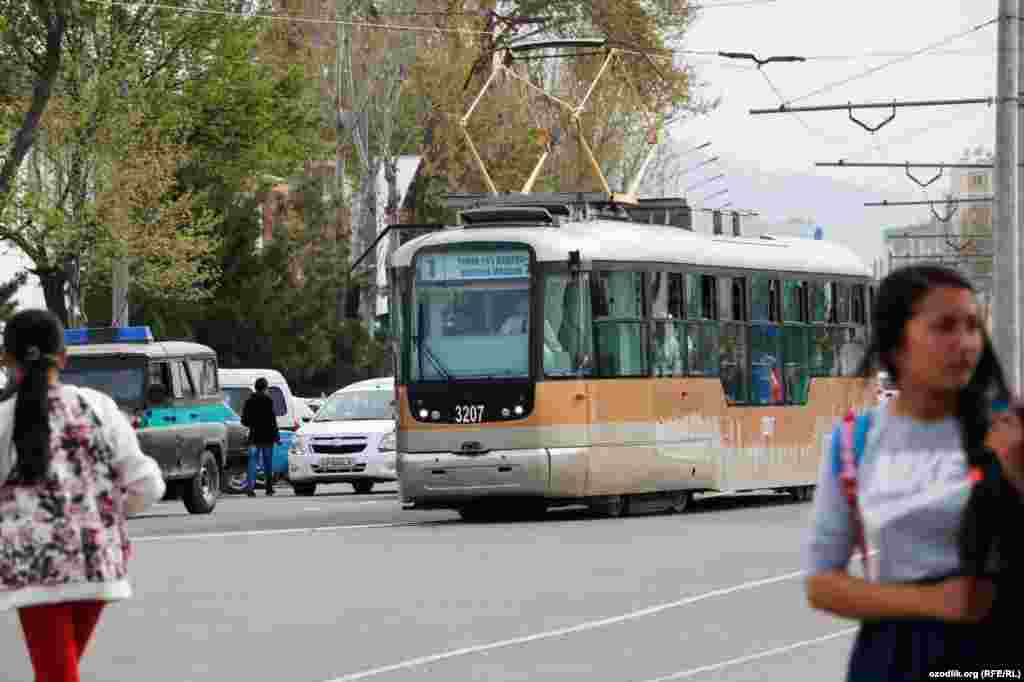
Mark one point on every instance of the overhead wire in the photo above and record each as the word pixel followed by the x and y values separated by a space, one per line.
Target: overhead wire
pixel 875 69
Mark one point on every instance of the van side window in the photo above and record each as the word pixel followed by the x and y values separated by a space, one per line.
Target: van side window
pixel 204 373
pixel 160 375
pixel 182 384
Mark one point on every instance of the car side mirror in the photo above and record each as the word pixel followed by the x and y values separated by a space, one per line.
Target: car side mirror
pixel 157 394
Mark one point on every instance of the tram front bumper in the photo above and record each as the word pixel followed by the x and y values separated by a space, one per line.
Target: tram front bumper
pixel 445 479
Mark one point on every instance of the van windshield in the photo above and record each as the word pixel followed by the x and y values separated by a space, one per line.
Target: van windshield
pixel 125 383
pixel 237 395
pixel 357 406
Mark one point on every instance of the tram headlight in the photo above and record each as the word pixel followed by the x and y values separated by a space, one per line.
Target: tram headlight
pixel 424 414
pixel 519 410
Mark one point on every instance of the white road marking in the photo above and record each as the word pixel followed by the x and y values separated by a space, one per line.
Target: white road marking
pixel 549 634
pixel 754 657
pixel 582 627
pixel 278 531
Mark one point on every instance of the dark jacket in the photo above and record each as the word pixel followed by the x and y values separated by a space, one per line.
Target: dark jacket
pixel 258 415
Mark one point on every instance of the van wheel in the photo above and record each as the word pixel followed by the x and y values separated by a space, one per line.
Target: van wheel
pixel 362 487
pixel 304 489
pixel 201 491
pixel 173 491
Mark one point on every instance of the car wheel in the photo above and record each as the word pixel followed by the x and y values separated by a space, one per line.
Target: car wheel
pixel 202 490
pixel 362 487
pixel 304 489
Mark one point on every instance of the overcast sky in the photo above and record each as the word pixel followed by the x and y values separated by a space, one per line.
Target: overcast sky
pixel 769 160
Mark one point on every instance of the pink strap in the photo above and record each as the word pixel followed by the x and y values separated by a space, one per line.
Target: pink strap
pixel 848 483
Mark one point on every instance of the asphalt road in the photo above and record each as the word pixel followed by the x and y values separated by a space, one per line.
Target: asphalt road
pixel 342 587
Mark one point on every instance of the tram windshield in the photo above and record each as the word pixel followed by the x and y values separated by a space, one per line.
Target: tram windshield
pixel 471 315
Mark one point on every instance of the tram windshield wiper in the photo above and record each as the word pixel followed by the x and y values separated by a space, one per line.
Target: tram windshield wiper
pixel 424 346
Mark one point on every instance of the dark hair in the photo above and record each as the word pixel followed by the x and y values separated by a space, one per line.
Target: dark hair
pixel 895 304
pixel 34 338
pixel 261 384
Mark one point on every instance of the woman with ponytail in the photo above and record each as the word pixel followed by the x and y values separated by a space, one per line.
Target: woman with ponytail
pixel 904 489
pixel 70 471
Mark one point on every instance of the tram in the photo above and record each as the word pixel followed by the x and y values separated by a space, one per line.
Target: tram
pixel 555 349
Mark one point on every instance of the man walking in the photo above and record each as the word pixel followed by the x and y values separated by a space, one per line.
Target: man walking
pixel 258 415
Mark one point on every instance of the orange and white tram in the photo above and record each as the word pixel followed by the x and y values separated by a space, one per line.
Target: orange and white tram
pixel 560 349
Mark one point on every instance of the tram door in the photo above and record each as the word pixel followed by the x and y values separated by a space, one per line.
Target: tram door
pixel 566 398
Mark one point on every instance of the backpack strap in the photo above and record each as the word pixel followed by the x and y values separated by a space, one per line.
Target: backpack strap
pixel 848 447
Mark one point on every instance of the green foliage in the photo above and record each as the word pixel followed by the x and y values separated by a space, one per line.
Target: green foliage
pixel 8 290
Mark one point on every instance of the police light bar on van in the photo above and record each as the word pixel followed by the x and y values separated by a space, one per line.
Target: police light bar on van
pixel 95 335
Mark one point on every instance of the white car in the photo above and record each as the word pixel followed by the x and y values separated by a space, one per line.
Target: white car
pixel 350 440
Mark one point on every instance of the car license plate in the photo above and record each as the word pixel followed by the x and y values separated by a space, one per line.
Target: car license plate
pixel 334 463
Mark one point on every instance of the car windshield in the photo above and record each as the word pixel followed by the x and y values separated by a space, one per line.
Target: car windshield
pixel 124 383
pixel 471 315
pixel 357 406
pixel 237 395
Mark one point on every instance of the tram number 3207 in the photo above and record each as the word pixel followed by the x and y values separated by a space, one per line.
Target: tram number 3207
pixel 469 414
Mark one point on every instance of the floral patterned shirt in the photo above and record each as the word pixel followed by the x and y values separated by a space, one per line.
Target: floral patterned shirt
pixel 64 538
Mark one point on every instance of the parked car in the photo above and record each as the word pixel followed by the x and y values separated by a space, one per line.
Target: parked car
pixel 238 385
pixel 169 391
pixel 350 440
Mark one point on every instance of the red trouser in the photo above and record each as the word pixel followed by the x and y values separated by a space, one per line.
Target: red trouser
pixel 56 635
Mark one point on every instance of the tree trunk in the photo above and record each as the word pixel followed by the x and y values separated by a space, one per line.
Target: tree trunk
pixel 40 98
pixel 54 282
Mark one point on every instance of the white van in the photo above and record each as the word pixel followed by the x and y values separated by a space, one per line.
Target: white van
pixel 239 384
pixel 350 440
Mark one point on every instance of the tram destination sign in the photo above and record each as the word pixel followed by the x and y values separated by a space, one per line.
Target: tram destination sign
pixel 473 265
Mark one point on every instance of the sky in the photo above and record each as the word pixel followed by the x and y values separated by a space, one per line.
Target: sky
pixel 769 160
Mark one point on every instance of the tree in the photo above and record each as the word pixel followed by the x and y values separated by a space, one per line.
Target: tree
pixel 640 90
pixel 8 290
pixel 123 70
pixel 32 43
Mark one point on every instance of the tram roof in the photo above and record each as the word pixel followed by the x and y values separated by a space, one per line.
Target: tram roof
pixel 621 241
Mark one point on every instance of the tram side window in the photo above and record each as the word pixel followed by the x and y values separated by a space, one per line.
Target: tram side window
pixel 733 344
pixel 820 294
pixel 761 299
pixel 619 329
pixel 824 358
pixel 795 342
pixel 852 345
pixel 665 291
pixel 702 331
pixel 766 380
pixel 858 305
pixel 794 295
pixel 567 335
pixel 840 303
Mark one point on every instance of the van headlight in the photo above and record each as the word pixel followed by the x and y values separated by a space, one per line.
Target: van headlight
pixel 387 443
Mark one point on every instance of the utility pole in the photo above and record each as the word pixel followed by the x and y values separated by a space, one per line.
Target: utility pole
pixel 1018 225
pixel 1006 333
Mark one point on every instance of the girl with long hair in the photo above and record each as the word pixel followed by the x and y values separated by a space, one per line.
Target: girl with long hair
pixel 922 604
pixel 70 471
